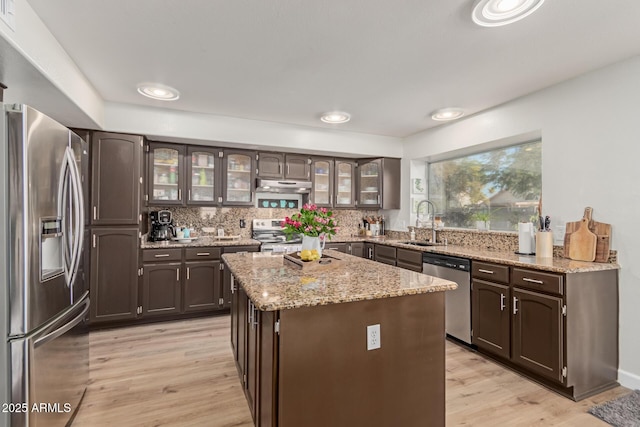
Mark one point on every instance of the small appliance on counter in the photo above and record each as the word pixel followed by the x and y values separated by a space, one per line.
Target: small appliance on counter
pixel 162 227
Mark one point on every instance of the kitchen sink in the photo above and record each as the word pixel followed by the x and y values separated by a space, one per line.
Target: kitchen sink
pixel 414 243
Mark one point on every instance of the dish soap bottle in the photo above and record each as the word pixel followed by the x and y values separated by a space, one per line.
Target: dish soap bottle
pixel 412 235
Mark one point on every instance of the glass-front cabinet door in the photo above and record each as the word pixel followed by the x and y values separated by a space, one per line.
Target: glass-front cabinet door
pixel 202 179
pixel 166 174
pixel 239 177
pixel 369 180
pixel 344 184
pixel 322 180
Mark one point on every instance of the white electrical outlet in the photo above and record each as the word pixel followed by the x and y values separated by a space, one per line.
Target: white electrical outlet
pixel 373 337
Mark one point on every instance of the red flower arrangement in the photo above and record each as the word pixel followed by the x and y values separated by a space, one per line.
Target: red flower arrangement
pixel 311 221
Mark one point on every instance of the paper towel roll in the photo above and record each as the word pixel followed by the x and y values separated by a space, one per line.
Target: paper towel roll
pixel 526 241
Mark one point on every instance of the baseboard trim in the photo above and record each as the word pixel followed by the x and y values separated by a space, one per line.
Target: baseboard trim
pixel 629 380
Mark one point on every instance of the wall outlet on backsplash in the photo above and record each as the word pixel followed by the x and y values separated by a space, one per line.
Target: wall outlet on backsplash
pixel 242 223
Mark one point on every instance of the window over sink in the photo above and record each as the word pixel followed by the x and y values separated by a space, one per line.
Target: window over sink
pixel 492 189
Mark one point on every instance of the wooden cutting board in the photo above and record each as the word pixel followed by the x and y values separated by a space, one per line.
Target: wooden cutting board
pixel 600 229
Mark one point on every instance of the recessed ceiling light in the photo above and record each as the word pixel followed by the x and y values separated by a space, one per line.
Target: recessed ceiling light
pixel 444 114
pixel 335 117
pixel 158 91
pixel 493 13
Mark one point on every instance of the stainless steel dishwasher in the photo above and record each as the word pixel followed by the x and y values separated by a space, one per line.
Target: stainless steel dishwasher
pixel 458 301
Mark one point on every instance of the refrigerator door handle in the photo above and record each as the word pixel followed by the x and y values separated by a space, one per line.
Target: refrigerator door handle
pixel 65 328
pixel 77 219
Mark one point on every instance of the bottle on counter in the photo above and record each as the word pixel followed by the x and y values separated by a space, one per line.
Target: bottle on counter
pixel 412 235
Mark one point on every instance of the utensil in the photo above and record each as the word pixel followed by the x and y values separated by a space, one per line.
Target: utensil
pixel 547 223
pixel 582 245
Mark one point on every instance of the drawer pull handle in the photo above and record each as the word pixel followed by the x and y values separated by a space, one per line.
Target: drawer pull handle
pixel 161 256
pixel 502 305
pixel 481 270
pixel 203 254
pixel 537 282
pixel 515 305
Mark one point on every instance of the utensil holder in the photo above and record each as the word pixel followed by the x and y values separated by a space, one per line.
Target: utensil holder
pixel 544 244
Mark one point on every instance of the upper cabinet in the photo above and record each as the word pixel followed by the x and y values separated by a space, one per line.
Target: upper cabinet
pixel 270 165
pixel 379 184
pixel 369 184
pixel 116 178
pixel 297 167
pixel 203 176
pixel 166 174
pixel 322 179
pixel 238 174
pixel 281 166
pixel 345 183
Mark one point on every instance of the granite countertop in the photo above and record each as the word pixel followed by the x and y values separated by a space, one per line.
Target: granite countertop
pixel 556 264
pixel 199 242
pixel 272 284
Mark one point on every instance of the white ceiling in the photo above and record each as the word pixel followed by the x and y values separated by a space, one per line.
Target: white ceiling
pixel 388 63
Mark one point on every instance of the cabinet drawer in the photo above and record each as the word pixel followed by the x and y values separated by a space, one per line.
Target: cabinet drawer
pixel 161 255
pixel 538 281
pixel 236 249
pixel 490 272
pixel 409 257
pixel 409 266
pixel 386 252
pixel 201 254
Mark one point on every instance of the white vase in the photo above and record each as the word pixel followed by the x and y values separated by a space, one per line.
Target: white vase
pixel 310 243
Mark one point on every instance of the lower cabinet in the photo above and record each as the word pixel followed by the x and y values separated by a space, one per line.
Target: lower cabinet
pixel 226 274
pixel 341 247
pixel 385 254
pixel 409 260
pixel 369 251
pixel 491 317
pixel 560 329
pixel 161 289
pixel 356 249
pixel 536 340
pixel 181 280
pixel 114 274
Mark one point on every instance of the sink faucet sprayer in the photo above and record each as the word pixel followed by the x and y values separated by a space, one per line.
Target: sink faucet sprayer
pixel 433 218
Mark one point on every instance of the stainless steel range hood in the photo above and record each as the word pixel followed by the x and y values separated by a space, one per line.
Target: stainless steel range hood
pixel 282 186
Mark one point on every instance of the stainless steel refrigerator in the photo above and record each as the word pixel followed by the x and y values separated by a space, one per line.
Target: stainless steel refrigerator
pixel 45 344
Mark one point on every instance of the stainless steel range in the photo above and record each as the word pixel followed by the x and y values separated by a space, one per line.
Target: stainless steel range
pixel 271 235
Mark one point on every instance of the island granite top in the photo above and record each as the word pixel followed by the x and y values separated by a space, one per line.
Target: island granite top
pixel 273 284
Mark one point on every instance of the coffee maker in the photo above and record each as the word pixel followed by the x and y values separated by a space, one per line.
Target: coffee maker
pixel 162 227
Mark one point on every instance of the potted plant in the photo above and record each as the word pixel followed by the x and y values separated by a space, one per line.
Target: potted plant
pixel 314 224
pixel 482 220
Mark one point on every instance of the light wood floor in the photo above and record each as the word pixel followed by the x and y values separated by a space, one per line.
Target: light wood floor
pixel 182 374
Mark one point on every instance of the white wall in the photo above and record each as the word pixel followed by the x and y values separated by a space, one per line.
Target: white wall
pixel 179 126
pixel 590 129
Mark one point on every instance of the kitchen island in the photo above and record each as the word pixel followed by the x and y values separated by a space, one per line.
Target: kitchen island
pixel 301 341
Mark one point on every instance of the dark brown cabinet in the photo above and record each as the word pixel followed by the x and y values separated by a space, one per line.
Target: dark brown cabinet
pixel 344 184
pixel 491 317
pixel 385 254
pixel 356 249
pixel 161 286
pixel 226 274
pixel 270 165
pixel 114 273
pixel 203 176
pixel 322 182
pixel 116 178
pixel 341 247
pixel 238 177
pixel 536 341
pixel 369 251
pixel 167 175
pixel 559 329
pixel 378 184
pixel 283 166
pixel 202 286
pixel 297 167
pixel 179 280
pixel 409 260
